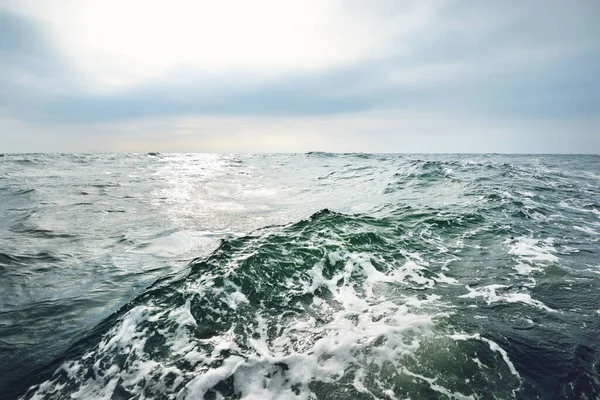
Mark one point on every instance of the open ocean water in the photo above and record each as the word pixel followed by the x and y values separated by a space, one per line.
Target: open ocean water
pixel 299 276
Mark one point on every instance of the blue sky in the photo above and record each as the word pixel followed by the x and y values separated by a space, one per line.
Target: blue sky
pixel 382 76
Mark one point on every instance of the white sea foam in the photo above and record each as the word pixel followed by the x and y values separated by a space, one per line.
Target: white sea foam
pixel 525 269
pixel 490 295
pixel 587 230
pixel 441 278
pixel 532 250
pixel 526 193
pixel 493 346
pixel 437 388
pixel 570 204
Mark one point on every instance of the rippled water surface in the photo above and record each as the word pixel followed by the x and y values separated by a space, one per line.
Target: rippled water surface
pixel 300 276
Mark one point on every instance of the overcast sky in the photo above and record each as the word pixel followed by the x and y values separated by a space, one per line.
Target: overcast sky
pixel 294 76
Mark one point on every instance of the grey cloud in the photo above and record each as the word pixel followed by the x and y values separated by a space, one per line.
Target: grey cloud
pixel 538 59
pixel 30 69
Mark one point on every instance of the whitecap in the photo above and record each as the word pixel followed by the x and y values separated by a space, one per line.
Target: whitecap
pixel 529 249
pixel 490 295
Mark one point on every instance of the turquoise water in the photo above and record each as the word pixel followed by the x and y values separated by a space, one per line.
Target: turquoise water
pixel 309 276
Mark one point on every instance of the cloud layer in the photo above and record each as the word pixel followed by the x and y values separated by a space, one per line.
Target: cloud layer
pixel 296 76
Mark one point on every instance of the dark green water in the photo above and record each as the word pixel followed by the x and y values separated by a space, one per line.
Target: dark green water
pixel 309 276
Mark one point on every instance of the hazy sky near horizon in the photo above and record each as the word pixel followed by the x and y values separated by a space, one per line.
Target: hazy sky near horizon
pixel 293 76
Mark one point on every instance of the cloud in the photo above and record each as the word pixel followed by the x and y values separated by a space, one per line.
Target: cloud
pixel 117 44
pixel 526 67
pixel 28 66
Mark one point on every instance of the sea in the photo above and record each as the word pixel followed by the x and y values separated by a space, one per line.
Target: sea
pixel 299 276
